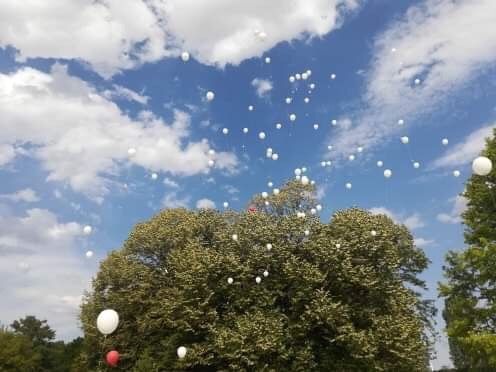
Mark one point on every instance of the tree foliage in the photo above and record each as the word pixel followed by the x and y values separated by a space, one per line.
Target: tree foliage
pixel 17 353
pixel 470 291
pixel 338 299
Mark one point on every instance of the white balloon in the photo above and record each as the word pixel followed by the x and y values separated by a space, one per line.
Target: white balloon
pixel 328 163
pixel 131 151
pixel 234 237
pixel 306 100
pixel 456 173
pixel 276 191
pixel 275 156
pixel 211 163
pixel 388 173
pixel 373 233
pixel 298 178
pixel 334 122
pixel 181 352
pixel 250 108
pixel 417 81
pixel 278 125
pixel 313 211
pixel 329 147
pixel 351 157
pixel 333 76
pixel 319 207
pixel 258 280
pixel 405 140
pixel 267 60
pixel 359 149
pixel 445 141
pixel 269 246
pixel 262 36
pixel 304 169
pixel 185 56
pixel 226 204
pixel 288 100
pixel 291 79
pixel 211 152
pixel 349 186
pixel 225 130
pixel 265 195
pixel 297 171
pixel 416 165
pixel 230 280
pixel 107 321
pixel 266 273
pixel 482 166
pixel 292 117
pixel 312 182
pixel 210 96
pixel 87 230
pixel 89 254
pixel 338 245
pixel 401 122
pixel 312 86
pixel 307 232
pixel 304 76
pixel 267 203
pixel 298 76
pixel 323 163
pixel 305 180
pixel 261 135
pixel 380 163
pixel 316 126
pixel 270 184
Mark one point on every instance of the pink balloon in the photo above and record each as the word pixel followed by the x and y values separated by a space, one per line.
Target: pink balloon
pixel 112 358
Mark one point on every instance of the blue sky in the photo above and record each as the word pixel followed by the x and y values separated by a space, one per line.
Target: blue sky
pixel 72 104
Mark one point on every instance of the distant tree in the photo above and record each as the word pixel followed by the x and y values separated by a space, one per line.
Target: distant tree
pixel 17 353
pixel 337 299
pixel 470 289
pixel 38 331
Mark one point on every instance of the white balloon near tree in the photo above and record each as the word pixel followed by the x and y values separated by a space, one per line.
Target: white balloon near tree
pixel 482 166
pixel 181 352
pixel 107 321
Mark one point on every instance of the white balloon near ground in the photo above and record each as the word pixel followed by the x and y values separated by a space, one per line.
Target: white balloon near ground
pixel 349 186
pixel 230 280
pixel 305 180
pixel 107 321
pixel 225 130
pixel 338 245
pixel 405 140
pixel 276 191
pixel 185 56
pixel 482 166
pixel 304 169
pixel 181 352
pixel 292 117
pixel 210 96
pixel 380 163
pixel 89 254
pixel 456 173
pixel 313 211
pixel 445 142
pixel 312 182
pixel 87 230
pixel 388 173
pixel 265 195
pixel 261 135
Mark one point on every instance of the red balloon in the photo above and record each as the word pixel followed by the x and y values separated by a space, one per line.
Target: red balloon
pixel 252 209
pixel 112 358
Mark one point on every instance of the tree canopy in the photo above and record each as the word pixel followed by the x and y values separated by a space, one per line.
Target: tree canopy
pixel 263 290
pixel 470 291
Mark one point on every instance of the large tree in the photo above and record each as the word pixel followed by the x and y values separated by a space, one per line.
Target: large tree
pixel 17 353
pixel 470 290
pixel 334 296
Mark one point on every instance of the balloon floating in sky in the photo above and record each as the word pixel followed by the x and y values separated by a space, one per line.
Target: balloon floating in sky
pixel 360 149
pixel 349 186
pixel 316 126
pixel 416 165
pixel 211 163
pixel 107 321
pixel 210 96
pixel 154 176
pixel 250 108
pixel 482 166
pixel 261 135
pixel 456 173
pixel 401 122
pixel 298 76
pixel 185 56
pixel 351 157
pixel 87 230
pixel 291 79
pixel 380 163
pixel 276 191
pixel 112 358
pixel 288 100
pixel 405 140
pixel 333 76
pixel 245 130
pixel 181 352
pixel 225 130
pixel 334 122
pixel 306 100
pixel 445 141
pixel 275 156
pixel 131 151
pixel 267 60
pixel 388 173
pixel 226 204
pixel 305 180
pixel 89 254
pixel 417 81
pixel 292 117
pixel 278 125
pixel 297 172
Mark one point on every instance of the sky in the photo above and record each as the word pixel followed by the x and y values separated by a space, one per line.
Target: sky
pixel 103 123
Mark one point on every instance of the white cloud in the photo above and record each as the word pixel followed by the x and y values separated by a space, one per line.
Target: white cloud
pixel 466 151
pixel 231 189
pixel 432 44
pixel 121 34
pixel 26 195
pixel 205 204
pixel 454 217
pixel 82 138
pixel 41 271
pixel 262 86
pixel 171 200
pixel 170 183
pixel 412 222
pixel 126 93
pixel 423 243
